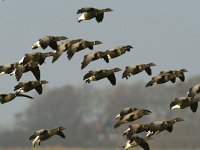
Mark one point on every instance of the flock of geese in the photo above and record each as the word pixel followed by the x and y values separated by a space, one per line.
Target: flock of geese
pixel 60 44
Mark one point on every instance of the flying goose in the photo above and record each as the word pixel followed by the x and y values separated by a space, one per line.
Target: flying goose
pixel 179 74
pixel 30 66
pixel 137 141
pixel 183 102
pixel 135 129
pixel 8 68
pixel 164 77
pixel 194 90
pixel 63 47
pixel 44 134
pixel 118 51
pixel 35 57
pixel 125 111
pixel 90 13
pixel 4 98
pixel 92 57
pixel 23 87
pixel 159 126
pixel 83 44
pixel 50 41
pixel 132 116
pixel 135 69
pixel 100 74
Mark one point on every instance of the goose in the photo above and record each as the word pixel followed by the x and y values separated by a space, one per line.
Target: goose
pixel 136 141
pixel 30 66
pixel 44 134
pixel 50 41
pixel 4 98
pixel 125 111
pixel 132 116
pixel 135 129
pixel 23 87
pixel 100 74
pixel 63 47
pixel 118 51
pixel 183 102
pixel 194 90
pixel 8 68
pixel 163 77
pixel 137 69
pixel 90 13
pixel 92 57
pixel 179 73
pixel 159 126
pixel 83 44
pixel 35 57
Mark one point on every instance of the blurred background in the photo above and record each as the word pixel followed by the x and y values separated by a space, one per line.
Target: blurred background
pixel 166 33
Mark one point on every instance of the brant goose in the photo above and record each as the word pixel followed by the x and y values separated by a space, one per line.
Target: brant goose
pixel 83 44
pixel 159 126
pixel 132 116
pixel 92 57
pixel 183 102
pixel 90 13
pixel 100 74
pixel 137 69
pixel 44 134
pixel 50 41
pixel 135 141
pixel 23 87
pixel 194 90
pixel 4 98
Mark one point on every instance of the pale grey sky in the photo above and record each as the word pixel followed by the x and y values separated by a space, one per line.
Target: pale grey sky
pixel 164 32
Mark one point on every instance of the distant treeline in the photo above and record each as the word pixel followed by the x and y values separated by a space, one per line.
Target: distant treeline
pixel 88 114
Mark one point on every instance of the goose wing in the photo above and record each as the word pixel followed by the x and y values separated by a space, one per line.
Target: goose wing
pixel 112 79
pixel 61 134
pixel 194 106
pixel 99 18
pixel 85 9
pixel 148 71
pixel 36 72
pixel 36 133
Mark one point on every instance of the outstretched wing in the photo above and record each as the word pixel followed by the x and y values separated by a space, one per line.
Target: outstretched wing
pixel 61 134
pixel 170 128
pixel 99 18
pixel 57 55
pixel 39 89
pixel 19 72
pixel 18 86
pixel 87 59
pixel 145 146
pixel 148 71
pixel 89 74
pixel 112 79
pixel 36 72
pixel 194 107
pixel 86 9
pixel 36 133
pixel 70 53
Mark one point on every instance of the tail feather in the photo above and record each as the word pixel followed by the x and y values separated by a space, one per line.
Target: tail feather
pixel 120 122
